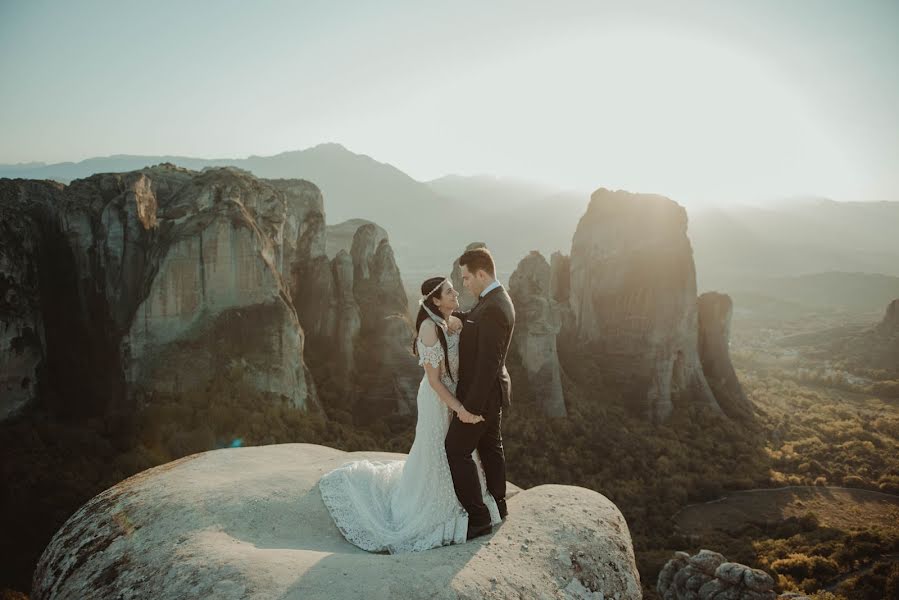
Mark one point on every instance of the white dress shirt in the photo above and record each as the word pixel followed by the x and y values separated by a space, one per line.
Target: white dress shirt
pixel 492 286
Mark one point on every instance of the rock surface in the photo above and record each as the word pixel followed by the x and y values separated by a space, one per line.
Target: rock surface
pixel 340 236
pixel 170 278
pixel 715 311
pixel 859 347
pixel 889 326
pixel 633 295
pixel 538 322
pixel 387 372
pixel 165 277
pixel 22 338
pixel 250 523
pixel 883 348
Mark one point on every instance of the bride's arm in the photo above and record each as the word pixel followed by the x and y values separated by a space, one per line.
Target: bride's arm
pixel 445 395
pixel 428 336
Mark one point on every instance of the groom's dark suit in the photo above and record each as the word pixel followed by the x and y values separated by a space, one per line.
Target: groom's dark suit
pixel 484 387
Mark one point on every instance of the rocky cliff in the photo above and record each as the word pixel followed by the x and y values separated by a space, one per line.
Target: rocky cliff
pixel 121 286
pixel 388 373
pixel 340 236
pixel 538 321
pixel 633 298
pixel 707 575
pixel 250 523
pixel 153 281
pixel 22 337
pixel 715 311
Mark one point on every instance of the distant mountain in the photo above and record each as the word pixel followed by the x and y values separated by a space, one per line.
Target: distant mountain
pixel 793 296
pixel 735 246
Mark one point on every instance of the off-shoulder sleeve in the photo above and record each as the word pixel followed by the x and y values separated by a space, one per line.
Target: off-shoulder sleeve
pixel 432 355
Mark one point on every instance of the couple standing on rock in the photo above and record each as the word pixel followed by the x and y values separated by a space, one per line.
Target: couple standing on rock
pixel 452 486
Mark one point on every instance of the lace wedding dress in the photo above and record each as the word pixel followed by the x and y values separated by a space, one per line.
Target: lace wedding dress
pixel 407 505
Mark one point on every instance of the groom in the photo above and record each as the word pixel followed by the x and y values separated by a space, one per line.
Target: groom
pixel 484 388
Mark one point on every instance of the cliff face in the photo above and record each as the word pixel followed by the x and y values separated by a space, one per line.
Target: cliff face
pixel 715 311
pixel 388 374
pixel 534 338
pixel 22 337
pixel 889 325
pixel 355 310
pixel 158 281
pixel 633 298
pixel 874 347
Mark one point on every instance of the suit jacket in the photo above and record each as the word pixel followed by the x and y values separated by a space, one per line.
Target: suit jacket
pixel 483 346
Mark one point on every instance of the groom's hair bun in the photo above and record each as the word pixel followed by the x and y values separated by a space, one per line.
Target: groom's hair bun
pixel 478 259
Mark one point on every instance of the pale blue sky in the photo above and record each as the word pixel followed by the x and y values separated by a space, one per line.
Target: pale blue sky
pixel 701 101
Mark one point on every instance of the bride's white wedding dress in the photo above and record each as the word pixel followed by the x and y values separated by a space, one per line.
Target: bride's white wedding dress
pixel 407 505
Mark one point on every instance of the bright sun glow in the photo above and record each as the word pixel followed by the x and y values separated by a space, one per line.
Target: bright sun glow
pixel 641 110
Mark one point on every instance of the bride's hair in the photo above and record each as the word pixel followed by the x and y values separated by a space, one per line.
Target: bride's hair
pixel 426 287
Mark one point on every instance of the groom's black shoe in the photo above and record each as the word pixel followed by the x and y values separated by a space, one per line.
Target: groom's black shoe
pixel 478 530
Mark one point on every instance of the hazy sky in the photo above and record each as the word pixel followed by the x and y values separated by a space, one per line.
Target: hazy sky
pixel 702 101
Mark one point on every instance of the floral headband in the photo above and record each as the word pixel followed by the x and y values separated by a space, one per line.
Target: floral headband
pixel 423 303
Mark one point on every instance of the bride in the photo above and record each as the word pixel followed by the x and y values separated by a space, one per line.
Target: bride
pixel 410 505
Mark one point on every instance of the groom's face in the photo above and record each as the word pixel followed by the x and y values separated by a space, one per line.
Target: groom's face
pixel 472 282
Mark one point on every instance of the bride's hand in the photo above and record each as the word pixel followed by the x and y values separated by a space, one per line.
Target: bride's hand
pixel 467 417
pixel 455 324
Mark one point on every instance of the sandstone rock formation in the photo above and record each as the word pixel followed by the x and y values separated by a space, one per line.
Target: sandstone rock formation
pixel 715 311
pixel 889 326
pixel 389 374
pixel 560 288
pixel 169 278
pixel 859 347
pixel 348 322
pixel 884 342
pixel 708 576
pixel 340 236
pixel 538 321
pixel 466 300
pixel 157 281
pixel 22 338
pixel 633 296
pixel 354 308
pixel 250 523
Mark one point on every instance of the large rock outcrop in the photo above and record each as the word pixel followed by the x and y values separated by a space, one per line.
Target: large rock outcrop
pixel 861 348
pixel 250 523
pixel 633 297
pixel 560 288
pixel 715 311
pixel 889 325
pixel 388 373
pixel 159 281
pixel 340 236
pixel 355 308
pixel 707 575
pixel 883 343
pixel 22 338
pixel 538 321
